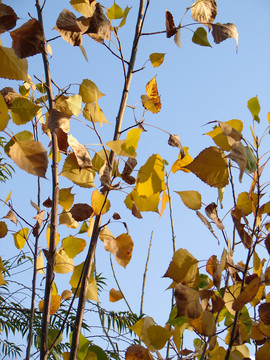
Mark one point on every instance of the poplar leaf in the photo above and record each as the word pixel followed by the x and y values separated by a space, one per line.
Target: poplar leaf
pixel 123 21
pixel 63 263
pixel 93 113
pixel 8 18
pixel 92 291
pixel 66 294
pixel 213 268
pixel 81 212
pixel 206 223
pixel 83 7
pixel 244 202
pixel 150 178
pixel 182 161
pixel 187 301
pixel 174 141
pixel 40 264
pixel 23 110
pixel 244 236
pixel 126 147
pixel 9 94
pixel 72 171
pixel 254 107
pixel 62 106
pixel 55 304
pixel 89 91
pixel 211 212
pixel 48 235
pixel 251 165
pixel 222 32
pixel 211 167
pixel 100 204
pixel 11 67
pixel 158 336
pixel 228 127
pixel 74 103
pixel 264 312
pixel 121 247
pixel 28 39
pixel 66 198
pixel 239 155
pixel 170 26
pixel 263 351
pixel 3 229
pixel 115 12
pixel 65 218
pixel 73 246
pixel 200 37
pixel 137 203
pixel 81 153
pixel 20 238
pixel 156 59
pixel 12 217
pixel 192 199
pixel 29 156
pixel 247 294
pixel 138 352
pixel 58 120
pixel 204 11
pixel 115 295
pixel 4 115
pixel 8 197
pixel 99 28
pixel 164 201
pixel 231 293
pixel 141 327
pixel 205 324
pixel 151 101
pixel 177 38
pixel 183 267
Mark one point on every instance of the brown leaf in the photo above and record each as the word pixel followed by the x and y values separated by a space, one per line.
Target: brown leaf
pixel 58 120
pixel 81 153
pixel 231 133
pixel 135 211
pixel 205 324
pixel 138 352
pixel 247 294
pixel 264 312
pixel 129 179
pixel 174 141
pixel 129 166
pixel 187 301
pixel 11 216
pixel 70 28
pixel 81 212
pixel 9 94
pixel 99 28
pixel 211 212
pixel 244 236
pixel 47 203
pixel 239 155
pixel 39 219
pixel 170 27
pixel 206 223
pixel 28 39
pixel 222 32
pixel 8 18
pixel 267 243
pixel 62 139
pixel 213 268
pixel 204 11
pixel 116 216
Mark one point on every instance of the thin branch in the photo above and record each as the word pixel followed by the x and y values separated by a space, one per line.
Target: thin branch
pixel 145 272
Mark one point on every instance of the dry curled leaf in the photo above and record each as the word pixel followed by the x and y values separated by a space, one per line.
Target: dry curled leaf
pixel 170 26
pixel 28 39
pixel 11 216
pixel 174 141
pixel 239 155
pixel 138 352
pixel 99 28
pixel 247 294
pixel 8 18
pixel 206 223
pixel 9 94
pixel 151 101
pixel 231 133
pixel 211 212
pixel 204 11
pixel 58 120
pixel 244 236
pixel 187 301
pixel 81 153
pixel 222 32
pixel 105 174
pixel 62 139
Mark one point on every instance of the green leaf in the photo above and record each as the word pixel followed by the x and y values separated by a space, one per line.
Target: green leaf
pixel 192 199
pixel 89 91
pixel 23 110
pixel 20 238
pixel 158 336
pixel 82 348
pixel 4 115
pixel 157 59
pixel 123 21
pixel 150 178
pixel 101 355
pixel 82 177
pixel 254 107
pixel 200 37
pixel 251 161
pixel 11 67
pixel 74 104
pixel 115 12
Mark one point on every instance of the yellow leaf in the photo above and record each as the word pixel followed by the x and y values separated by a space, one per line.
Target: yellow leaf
pixel 123 21
pixel 89 91
pixel 247 294
pixel 183 267
pixel 192 199
pixel 2 280
pixel 66 198
pixel 211 167
pixel 66 294
pixel 105 233
pixel 230 294
pixel 244 202
pixel 205 324
pixel 100 204
pixel 48 234
pixel 63 263
pixel 140 329
pixel 11 67
pixel 93 113
pixel 20 238
pixel 8 197
pixel 55 304
pixel 257 264
pixel 126 147
pixel 220 139
pixel 54 288
pixel 66 219
pixel 73 246
pixel 142 203
pixel 150 178
pixel 40 263
pixel 4 115
pixel 121 247
pixel 182 161
pixel 157 59
pixel 90 226
pixel 3 229
pixel 158 336
pixel 74 103
pixel 92 292
pixel 164 200
pixel 83 7
pixel 151 101
pixel 115 12
pixel 115 295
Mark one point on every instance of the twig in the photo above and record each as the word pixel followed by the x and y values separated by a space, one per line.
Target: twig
pixel 145 272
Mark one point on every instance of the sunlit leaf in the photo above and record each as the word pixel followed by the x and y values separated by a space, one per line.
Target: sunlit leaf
pixel 93 113
pixel 48 234
pixel 123 21
pixel 135 202
pixel 182 161
pixel 20 238
pixel 205 324
pixel 63 263
pixel 92 291
pixel 66 294
pixel 244 202
pixel 55 304
pixel 115 295
pixel 121 247
pixel 126 147
pixel 40 264
pixel 115 12
pixel 66 198
pixel 74 103
pixel 200 37
pixel 211 166
pixel 231 293
pixel 65 218
pixel 100 204
pixel 23 110
pixel 192 199
pixel 156 59
pixel 164 201
pixel 151 101
pixel 73 246
pixel 82 155
pixel 11 67
pixel 89 91
pixel 254 107
pixel 4 115
pixel 204 11
pixel 83 7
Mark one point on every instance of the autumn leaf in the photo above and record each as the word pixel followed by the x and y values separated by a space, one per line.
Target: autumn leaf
pixel 212 213
pixel 187 301
pixel 204 11
pixel 11 67
pixel 4 115
pixel 81 212
pixel 126 147
pixel 213 268
pixel 222 32
pixel 115 295
pixel 126 12
pixel 93 112
pixel 92 291
pixel 100 204
pixel 11 216
pixel 157 59
pixel 239 155
pixel 211 167
pixel 170 26
pixel 138 352
pixel 174 141
pixel 137 203
pixel 3 229
pixel 205 324
pixel 244 236
pixel 244 202
pixel 28 39
pixel 121 247
pixel 66 294
pixel 8 18
pixel 84 7
pixel 66 198
pixel 115 12
pixel 247 294
pixel 9 94
pixel 182 161
pixel 58 120
pixel 20 238
pixel 254 107
pixel 99 28
pixel 48 235
pixel 65 218
pixel 264 312
pixel 89 91
pixel 151 101
pixel 23 110
pixel 192 199
pixel 73 246
pixel 206 223
pixel 81 153
pixel 63 263
pixel 55 304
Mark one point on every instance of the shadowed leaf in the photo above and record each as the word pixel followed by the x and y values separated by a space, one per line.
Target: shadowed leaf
pixel 23 110
pixel 11 67
pixel 170 26
pixel 187 301
pixel 200 37
pixel 8 18
pixel 81 212
pixel 72 171
pixel 222 32
pixel 247 294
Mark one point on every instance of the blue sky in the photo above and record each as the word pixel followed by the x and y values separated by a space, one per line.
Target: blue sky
pixel 197 85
